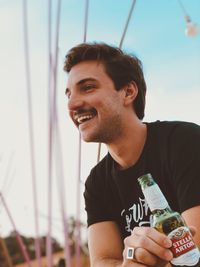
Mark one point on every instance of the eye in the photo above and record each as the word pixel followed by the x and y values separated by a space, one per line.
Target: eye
pixel 88 87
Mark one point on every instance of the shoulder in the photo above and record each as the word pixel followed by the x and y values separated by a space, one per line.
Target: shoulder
pixel 185 134
pixel 177 131
pixel 172 139
pixel 173 125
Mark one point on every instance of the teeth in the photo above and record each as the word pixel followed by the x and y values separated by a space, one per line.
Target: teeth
pixel 84 118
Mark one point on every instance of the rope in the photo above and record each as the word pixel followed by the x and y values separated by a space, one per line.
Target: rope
pixel 8 179
pixel 54 139
pixel 50 140
pixel 183 8
pixel 31 135
pixel 127 23
pixel 61 186
pixel 18 237
pixel 99 152
pixel 78 233
pixel 86 20
pixel 48 239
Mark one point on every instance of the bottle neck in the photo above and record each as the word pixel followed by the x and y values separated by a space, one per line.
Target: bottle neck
pixel 155 198
pixel 160 212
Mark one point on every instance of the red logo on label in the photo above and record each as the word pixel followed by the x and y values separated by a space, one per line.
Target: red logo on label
pixel 182 242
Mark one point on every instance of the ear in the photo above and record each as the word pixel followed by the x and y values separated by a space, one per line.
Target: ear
pixel 131 92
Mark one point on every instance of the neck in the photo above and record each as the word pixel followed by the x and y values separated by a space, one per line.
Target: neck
pixel 127 149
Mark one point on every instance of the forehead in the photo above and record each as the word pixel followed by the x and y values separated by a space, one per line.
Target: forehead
pixel 84 70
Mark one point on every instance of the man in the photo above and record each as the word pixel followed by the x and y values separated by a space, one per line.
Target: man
pixel 106 100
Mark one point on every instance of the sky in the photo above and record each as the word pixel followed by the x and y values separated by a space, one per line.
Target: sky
pixel 156 34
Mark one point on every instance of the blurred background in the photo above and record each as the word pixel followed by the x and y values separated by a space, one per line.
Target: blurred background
pixel 42 178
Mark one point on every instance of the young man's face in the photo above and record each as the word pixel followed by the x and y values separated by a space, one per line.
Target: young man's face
pixel 94 105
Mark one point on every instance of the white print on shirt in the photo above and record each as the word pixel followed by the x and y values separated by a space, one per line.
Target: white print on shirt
pixel 136 215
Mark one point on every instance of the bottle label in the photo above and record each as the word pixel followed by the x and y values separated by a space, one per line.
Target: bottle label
pixel 155 198
pixel 183 247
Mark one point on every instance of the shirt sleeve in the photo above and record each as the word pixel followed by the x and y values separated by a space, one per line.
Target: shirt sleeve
pixel 95 196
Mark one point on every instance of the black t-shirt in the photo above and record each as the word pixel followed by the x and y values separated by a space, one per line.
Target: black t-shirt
pixel 171 154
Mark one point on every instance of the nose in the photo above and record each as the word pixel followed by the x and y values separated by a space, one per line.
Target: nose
pixel 75 102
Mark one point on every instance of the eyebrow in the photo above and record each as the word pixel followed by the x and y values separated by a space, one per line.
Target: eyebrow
pixel 82 82
pixel 86 80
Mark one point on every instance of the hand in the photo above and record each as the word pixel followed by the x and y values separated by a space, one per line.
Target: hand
pixel 193 230
pixel 151 248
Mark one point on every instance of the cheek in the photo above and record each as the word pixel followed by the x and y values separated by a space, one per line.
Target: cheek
pixel 106 102
pixel 112 103
pixel 96 102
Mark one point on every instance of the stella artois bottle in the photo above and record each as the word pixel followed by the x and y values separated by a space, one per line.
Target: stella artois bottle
pixel 171 223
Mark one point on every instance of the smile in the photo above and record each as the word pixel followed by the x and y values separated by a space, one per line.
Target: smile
pixel 84 118
pixel 81 118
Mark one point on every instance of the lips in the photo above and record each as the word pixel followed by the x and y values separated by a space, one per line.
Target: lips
pixel 81 117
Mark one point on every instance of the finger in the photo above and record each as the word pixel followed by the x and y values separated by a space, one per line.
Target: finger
pixel 149 245
pixel 161 263
pixel 160 238
pixel 144 256
pixel 130 261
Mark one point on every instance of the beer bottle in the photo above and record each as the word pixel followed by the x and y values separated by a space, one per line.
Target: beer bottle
pixel 171 223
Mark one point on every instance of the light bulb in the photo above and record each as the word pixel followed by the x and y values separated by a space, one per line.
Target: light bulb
pixel 191 28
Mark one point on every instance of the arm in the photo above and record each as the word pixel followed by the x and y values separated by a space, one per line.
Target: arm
pixel 107 250
pixel 105 245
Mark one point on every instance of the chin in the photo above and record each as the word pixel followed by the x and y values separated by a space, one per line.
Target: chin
pixel 85 137
pixel 89 138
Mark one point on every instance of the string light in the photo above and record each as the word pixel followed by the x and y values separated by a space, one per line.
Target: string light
pixel 191 29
